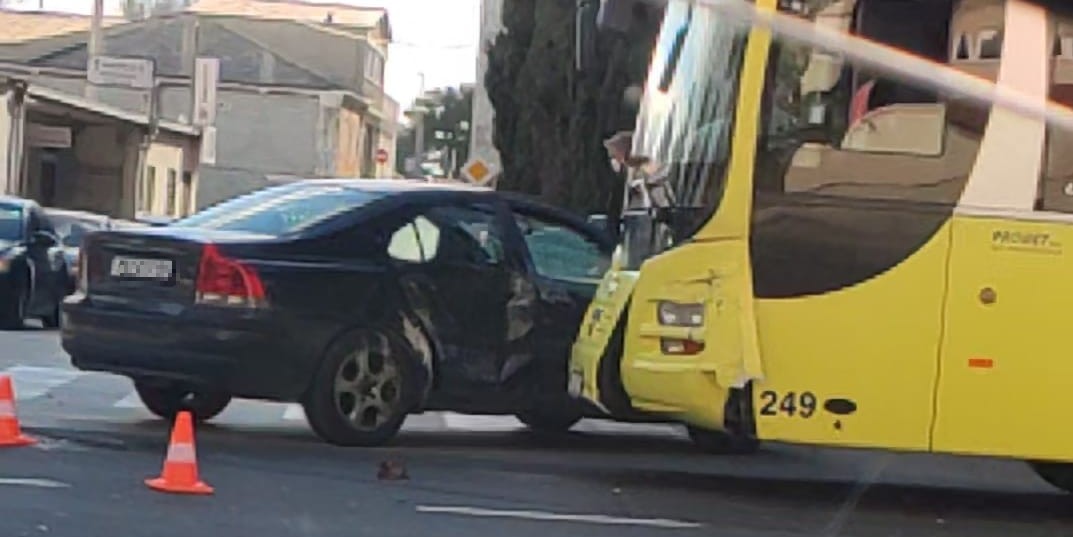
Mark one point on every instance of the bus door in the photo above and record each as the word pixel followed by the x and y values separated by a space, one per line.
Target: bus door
pixel 858 173
pixel 1006 361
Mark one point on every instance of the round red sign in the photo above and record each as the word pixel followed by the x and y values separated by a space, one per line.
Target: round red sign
pixel 381 156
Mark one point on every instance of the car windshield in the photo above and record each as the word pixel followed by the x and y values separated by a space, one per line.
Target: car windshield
pixel 10 222
pixel 683 129
pixel 280 210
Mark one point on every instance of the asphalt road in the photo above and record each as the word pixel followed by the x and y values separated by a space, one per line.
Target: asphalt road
pixel 469 476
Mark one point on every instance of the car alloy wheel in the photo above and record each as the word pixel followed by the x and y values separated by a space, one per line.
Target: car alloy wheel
pixel 363 390
pixel 368 385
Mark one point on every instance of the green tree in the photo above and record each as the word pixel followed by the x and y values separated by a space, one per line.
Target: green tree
pixel 446 127
pixel 551 121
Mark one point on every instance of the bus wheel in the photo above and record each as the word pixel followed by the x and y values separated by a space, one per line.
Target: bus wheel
pixel 1057 474
pixel 719 442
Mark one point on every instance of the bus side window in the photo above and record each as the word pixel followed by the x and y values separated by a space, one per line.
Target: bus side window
pixel 1056 181
pixel 837 206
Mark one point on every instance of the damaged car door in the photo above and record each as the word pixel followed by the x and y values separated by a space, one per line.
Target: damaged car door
pixel 566 262
pixel 464 287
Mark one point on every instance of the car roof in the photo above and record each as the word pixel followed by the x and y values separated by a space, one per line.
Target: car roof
pixel 15 200
pixel 397 185
pixel 84 215
pixel 406 186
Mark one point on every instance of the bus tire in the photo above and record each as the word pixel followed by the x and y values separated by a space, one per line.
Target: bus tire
pixel 1057 474
pixel 721 442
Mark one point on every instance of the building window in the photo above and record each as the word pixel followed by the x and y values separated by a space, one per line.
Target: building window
pixel 990 44
pixel 961 50
pixel 374 65
pixel 1063 46
pixel 150 188
pixel 188 193
pixel 172 187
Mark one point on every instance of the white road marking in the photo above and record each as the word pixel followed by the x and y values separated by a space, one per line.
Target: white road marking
pixel 558 517
pixel 131 400
pixel 468 422
pixel 30 382
pixel 294 412
pixel 614 427
pixel 34 482
pixel 49 444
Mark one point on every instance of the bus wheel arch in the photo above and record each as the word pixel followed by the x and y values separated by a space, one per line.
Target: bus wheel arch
pixel 612 392
pixel 738 436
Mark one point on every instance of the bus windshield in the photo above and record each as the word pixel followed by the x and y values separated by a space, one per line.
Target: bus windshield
pixel 682 137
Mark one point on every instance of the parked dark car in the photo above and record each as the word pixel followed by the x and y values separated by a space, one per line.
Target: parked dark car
pixel 365 300
pixel 71 226
pixel 33 273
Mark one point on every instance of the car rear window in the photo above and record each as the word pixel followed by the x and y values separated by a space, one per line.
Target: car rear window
pixel 280 210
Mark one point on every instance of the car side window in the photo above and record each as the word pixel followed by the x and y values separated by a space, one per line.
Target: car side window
pixel 560 252
pixel 417 241
pixel 468 235
pixel 449 234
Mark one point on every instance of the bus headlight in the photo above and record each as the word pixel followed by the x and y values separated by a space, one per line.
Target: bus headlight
pixel 676 314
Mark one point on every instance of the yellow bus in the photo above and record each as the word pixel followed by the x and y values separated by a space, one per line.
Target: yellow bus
pixel 846 225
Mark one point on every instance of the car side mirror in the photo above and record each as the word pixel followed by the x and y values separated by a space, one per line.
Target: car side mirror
pixel 43 239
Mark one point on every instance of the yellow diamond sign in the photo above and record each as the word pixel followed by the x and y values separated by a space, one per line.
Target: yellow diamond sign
pixel 478 171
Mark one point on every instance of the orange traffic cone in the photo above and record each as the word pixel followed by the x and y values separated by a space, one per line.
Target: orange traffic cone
pixel 180 466
pixel 10 431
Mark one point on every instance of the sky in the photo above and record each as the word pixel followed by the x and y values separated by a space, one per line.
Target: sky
pixel 435 37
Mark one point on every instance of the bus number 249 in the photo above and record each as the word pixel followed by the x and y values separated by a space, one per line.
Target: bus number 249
pixel 789 404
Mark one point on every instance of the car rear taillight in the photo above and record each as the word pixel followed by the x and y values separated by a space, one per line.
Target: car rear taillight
pixel 222 281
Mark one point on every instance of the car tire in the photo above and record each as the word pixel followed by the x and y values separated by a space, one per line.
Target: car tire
pixel 167 400
pixel 363 390
pixel 721 442
pixel 54 319
pixel 14 313
pixel 549 421
pixel 1057 474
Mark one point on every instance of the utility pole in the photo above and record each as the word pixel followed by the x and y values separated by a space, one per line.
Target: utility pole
pixel 419 123
pixel 189 53
pixel 96 44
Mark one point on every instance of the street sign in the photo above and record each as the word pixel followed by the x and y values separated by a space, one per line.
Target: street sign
pixel 116 71
pixel 38 135
pixel 476 170
pixel 381 156
pixel 206 78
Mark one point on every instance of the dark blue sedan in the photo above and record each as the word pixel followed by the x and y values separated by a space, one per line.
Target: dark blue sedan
pixel 365 300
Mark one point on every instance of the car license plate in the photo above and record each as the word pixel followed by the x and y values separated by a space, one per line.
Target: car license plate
pixel 575 384
pixel 134 267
